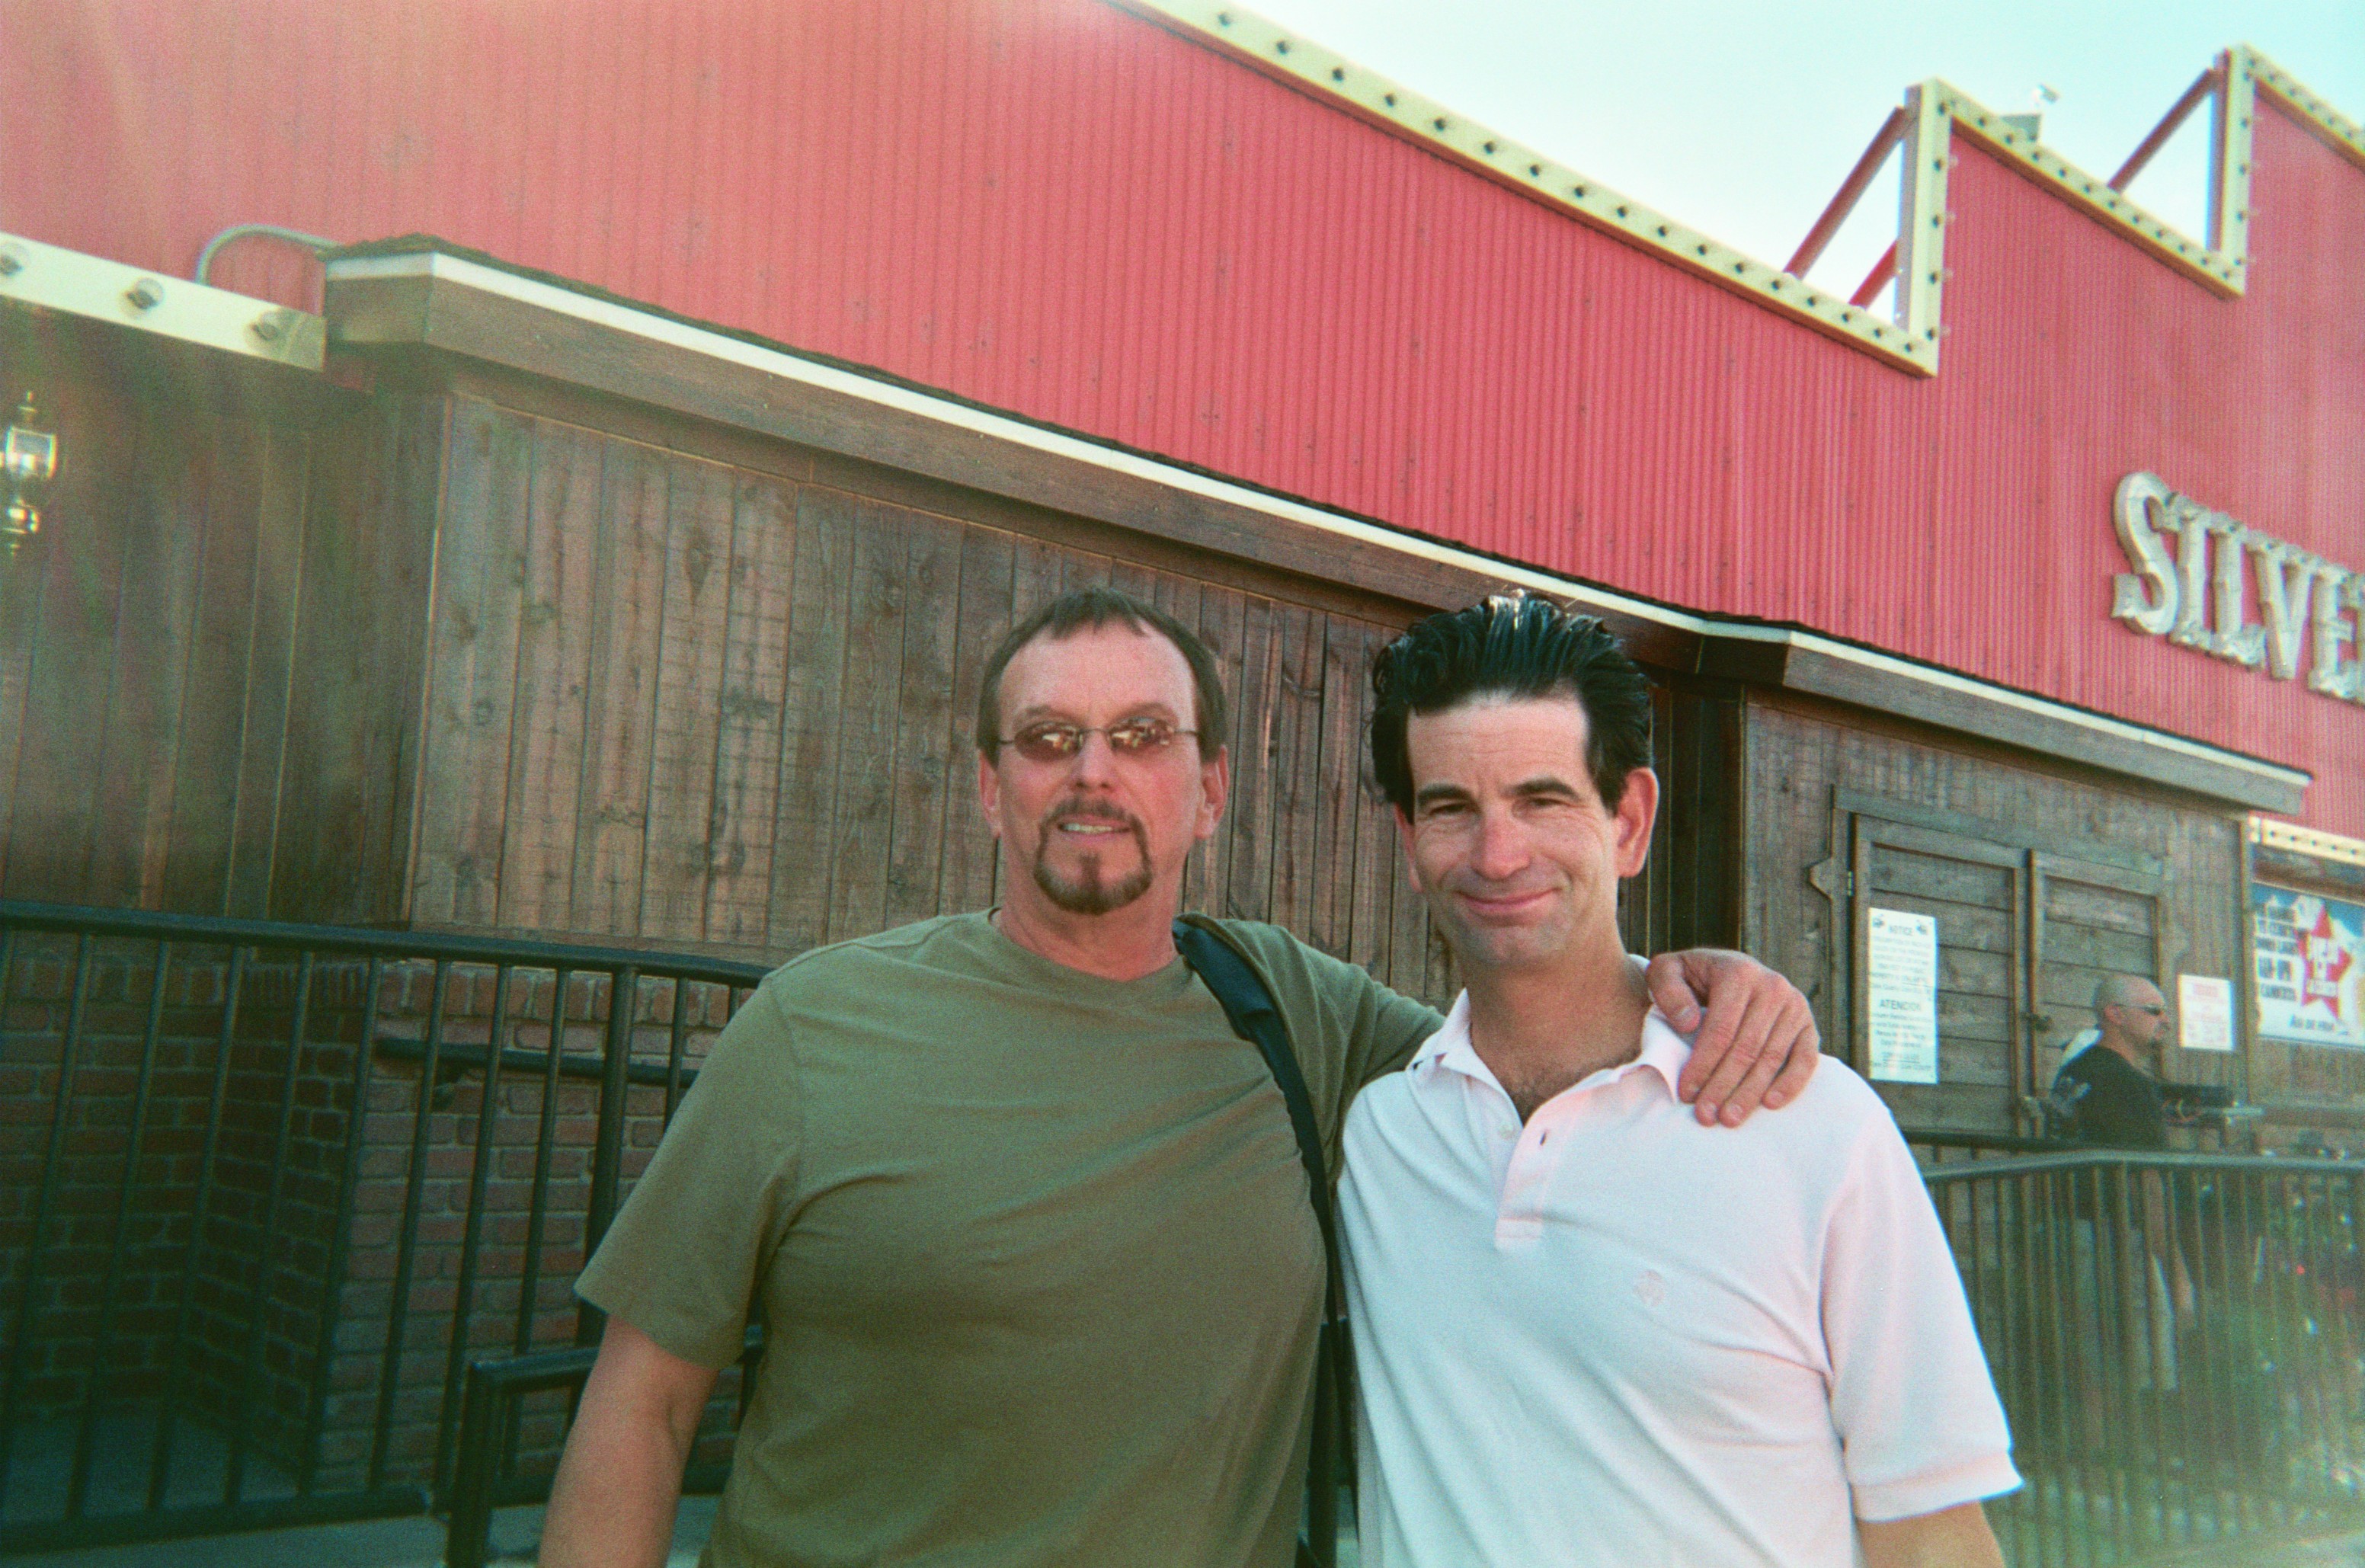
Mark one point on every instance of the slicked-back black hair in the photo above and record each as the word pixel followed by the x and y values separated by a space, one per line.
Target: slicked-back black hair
pixel 1511 646
pixel 1096 607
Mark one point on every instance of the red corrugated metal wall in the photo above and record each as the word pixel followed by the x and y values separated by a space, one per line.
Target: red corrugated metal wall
pixel 1060 209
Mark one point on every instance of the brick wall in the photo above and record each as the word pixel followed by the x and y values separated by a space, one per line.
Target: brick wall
pixel 98 1208
pixel 226 1314
pixel 520 1294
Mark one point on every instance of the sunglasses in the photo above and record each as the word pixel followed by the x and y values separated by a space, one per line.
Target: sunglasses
pixel 1053 742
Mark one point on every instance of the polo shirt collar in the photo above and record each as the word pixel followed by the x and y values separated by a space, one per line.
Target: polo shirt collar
pixel 1448 1050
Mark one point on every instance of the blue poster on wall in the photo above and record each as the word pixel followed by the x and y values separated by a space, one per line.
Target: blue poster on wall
pixel 2311 979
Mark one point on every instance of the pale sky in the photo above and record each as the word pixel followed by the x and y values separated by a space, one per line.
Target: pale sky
pixel 1742 120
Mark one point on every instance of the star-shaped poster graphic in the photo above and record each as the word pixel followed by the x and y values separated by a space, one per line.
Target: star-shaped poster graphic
pixel 2328 960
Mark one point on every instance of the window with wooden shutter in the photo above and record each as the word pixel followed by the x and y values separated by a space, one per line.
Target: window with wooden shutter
pixel 2023 933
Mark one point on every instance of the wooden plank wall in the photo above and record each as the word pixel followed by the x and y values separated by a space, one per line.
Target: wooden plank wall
pixel 1982 953
pixel 722 699
pixel 511 659
pixel 348 781
pixel 197 704
pixel 1798 754
pixel 1690 892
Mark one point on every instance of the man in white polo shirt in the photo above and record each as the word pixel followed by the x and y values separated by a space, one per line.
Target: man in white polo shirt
pixel 1589 1330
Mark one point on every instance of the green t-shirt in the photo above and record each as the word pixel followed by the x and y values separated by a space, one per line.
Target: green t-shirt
pixel 1033 1251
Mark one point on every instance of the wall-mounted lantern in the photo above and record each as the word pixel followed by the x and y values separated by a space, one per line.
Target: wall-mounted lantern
pixel 29 461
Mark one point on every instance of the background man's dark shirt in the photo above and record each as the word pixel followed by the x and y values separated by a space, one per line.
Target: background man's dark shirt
pixel 2108 1102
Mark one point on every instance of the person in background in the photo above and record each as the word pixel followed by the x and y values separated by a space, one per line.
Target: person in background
pixel 1590 1331
pixel 2108 1097
pixel 2107 1094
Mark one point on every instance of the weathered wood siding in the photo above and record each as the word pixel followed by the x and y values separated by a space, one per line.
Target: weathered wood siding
pixel 479 651
pixel 1690 892
pixel 707 698
pixel 349 789
pixel 201 665
pixel 2041 882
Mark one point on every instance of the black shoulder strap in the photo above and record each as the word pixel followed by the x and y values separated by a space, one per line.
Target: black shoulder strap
pixel 1256 1019
pixel 1251 1009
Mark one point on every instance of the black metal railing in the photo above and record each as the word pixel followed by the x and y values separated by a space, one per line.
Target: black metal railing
pixel 277 1201
pixel 267 1190
pixel 2175 1338
pixel 2177 1341
pixel 1948 1146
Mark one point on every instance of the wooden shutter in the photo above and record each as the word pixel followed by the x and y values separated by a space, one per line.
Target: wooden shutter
pixel 1976 890
pixel 2085 921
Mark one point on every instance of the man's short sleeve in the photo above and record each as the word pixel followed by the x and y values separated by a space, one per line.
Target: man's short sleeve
pixel 1388 1028
pixel 1919 1426
pixel 682 1260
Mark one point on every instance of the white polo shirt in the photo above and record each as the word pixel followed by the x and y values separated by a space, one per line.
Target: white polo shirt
pixel 1616 1337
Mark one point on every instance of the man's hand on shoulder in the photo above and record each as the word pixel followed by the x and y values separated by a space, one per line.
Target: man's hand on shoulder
pixel 1757 1043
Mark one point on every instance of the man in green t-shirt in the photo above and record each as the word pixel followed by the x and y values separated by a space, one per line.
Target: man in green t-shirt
pixel 1024 1219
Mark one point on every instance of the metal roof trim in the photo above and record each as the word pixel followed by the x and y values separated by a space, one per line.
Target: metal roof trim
pixel 2274 834
pixel 54 278
pixel 2007 697
pixel 1910 340
pixel 658 326
pixel 1416 116
pixel 2330 126
pixel 2219 270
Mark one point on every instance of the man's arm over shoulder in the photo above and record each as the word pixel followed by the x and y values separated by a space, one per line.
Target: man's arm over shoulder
pixel 620 1479
pixel 1756 1040
pixel 1348 1028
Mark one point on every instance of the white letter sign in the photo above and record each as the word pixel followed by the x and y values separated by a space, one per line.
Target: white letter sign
pixel 1901 964
pixel 2204 1012
pixel 2193 582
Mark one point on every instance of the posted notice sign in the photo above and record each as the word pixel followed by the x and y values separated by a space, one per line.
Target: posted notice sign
pixel 2311 967
pixel 1901 967
pixel 2204 1012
